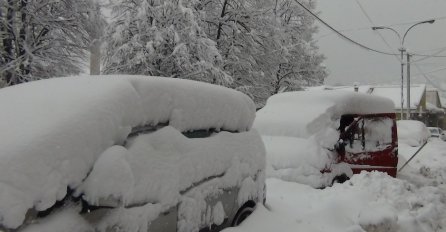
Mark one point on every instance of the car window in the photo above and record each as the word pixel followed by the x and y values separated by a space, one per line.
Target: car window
pixel 369 135
pixel 146 129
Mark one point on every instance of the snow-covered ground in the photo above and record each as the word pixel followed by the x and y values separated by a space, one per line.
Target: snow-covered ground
pixel 413 202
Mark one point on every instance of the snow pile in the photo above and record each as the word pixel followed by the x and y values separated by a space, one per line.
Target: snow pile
pixel 54 130
pixel 296 159
pixel 368 202
pixel 427 167
pixel 156 167
pixel 411 132
pixel 305 113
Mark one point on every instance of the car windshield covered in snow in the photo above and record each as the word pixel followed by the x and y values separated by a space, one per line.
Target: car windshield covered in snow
pixel 130 152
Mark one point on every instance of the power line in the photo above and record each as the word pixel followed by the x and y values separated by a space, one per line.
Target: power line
pixel 340 34
pixel 364 46
pixel 428 79
pixel 431 56
pixel 382 37
pixel 388 25
pixel 423 74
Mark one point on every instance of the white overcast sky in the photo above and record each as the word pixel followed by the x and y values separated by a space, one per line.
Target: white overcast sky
pixel 348 63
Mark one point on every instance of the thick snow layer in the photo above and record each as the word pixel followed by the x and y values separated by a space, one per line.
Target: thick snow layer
pixel 392 92
pixel 368 202
pixel 411 132
pixel 427 167
pixel 305 113
pixel 52 131
pixel 156 167
pixel 301 160
pixel 296 159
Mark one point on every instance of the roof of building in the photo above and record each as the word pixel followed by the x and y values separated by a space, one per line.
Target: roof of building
pixel 393 92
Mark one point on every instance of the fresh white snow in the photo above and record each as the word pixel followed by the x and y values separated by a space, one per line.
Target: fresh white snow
pixel 305 113
pixel 174 164
pixel 412 202
pixel 368 202
pixel 411 132
pixel 54 131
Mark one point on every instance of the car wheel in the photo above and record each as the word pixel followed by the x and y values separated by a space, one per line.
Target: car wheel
pixel 242 214
pixel 340 179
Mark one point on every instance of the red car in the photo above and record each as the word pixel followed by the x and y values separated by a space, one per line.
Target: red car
pixel 321 137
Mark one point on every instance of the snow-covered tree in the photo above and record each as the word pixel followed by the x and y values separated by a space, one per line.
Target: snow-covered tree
pixel 266 45
pixel 162 38
pixel 302 62
pixel 43 38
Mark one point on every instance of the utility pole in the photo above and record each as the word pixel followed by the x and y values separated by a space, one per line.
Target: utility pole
pixel 402 82
pixel 402 50
pixel 408 86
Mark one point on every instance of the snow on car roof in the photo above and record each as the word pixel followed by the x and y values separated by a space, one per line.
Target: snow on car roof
pixel 52 131
pixel 304 113
pixel 393 92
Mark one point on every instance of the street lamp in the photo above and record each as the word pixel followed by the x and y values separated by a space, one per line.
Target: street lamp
pixel 402 50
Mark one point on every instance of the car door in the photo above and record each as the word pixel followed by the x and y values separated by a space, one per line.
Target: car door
pixel 370 144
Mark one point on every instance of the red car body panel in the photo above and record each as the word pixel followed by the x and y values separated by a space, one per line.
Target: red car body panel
pixel 383 159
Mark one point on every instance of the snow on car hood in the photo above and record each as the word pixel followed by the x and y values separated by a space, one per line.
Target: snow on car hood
pixel 52 131
pixel 305 113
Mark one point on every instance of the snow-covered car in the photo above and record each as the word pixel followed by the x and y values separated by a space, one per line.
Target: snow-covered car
pixel 321 137
pixel 437 132
pixel 434 132
pixel 411 132
pixel 127 153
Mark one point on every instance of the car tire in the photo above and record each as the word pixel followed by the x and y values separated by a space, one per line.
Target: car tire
pixel 243 213
pixel 340 179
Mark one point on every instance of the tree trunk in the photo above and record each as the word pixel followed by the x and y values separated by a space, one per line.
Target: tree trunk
pixel 24 63
pixel 95 57
pixel 220 24
pixel 7 41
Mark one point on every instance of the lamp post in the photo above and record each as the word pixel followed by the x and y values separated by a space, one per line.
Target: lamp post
pixel 402 50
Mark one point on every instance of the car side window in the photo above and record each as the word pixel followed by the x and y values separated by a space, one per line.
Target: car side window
pixel 377 133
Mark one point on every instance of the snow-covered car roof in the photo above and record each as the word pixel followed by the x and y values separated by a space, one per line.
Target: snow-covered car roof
pixel 304 113
pixel 52 131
